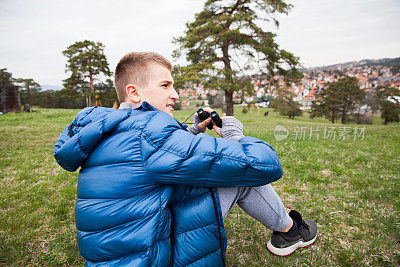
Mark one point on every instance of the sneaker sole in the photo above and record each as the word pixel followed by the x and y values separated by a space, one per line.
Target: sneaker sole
pixel 289 250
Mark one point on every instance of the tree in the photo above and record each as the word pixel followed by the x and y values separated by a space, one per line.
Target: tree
pixel 86 61
pixel 285 104
pixel 264 98
pixel 372 101
pixel 389 99
pixel 225 33
pixel 6 78
pixel 183 75
pixel 217 100
pixel 390 112
pixel 338 99
pixel 106 93
pixel 28 85
pixel 210 99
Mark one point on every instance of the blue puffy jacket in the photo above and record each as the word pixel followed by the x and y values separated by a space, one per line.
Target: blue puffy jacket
pixel 147 187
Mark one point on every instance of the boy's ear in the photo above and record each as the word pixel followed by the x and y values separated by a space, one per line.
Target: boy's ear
pixel 132 93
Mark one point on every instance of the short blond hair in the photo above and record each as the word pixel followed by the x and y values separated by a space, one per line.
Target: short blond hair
pixel 133 68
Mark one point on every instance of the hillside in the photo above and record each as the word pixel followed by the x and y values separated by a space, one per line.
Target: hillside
pixel 387 62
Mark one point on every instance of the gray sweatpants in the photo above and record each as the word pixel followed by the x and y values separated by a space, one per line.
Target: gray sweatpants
pixel 262 203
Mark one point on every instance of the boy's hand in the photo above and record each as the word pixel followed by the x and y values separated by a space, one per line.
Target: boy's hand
pixel 217 129
pixel 199 126
pixel 202 125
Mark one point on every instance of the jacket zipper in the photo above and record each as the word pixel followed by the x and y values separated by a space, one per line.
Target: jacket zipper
pixel 219 226
pixel 172 240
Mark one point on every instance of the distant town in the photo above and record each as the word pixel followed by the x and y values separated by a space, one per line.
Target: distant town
pixel 370 74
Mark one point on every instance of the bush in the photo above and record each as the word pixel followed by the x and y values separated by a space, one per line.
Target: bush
pixel 360 119
pixel 245 110
pixel 178 106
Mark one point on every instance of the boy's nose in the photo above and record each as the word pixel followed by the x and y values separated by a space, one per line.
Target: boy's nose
pixel 174 94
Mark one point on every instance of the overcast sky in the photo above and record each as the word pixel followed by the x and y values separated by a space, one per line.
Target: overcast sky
pixel 321 32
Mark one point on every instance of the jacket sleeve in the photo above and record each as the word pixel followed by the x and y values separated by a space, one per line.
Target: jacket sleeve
pixel 173 155
pixel 73 147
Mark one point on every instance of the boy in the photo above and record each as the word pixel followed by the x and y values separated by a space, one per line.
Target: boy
pixel 151 192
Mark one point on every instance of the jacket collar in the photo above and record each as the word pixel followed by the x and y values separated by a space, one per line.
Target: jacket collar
pixel 127 105
pixel 144 106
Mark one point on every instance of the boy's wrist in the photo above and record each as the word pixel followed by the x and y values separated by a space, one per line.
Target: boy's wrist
pixel 194 129
pixel 232 128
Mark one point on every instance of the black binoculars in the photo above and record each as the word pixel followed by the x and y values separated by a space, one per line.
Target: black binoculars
pixel 203 115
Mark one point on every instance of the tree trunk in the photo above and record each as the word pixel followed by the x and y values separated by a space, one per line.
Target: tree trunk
pixel 228 93
pixel 386 121
pixel 333 117
pixel 91 88
pixel 229 103
pixel 344 117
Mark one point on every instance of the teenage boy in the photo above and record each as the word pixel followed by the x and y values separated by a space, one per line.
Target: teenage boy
pixel 152 192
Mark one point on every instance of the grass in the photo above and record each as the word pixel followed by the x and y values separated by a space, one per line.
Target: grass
pixel 349 187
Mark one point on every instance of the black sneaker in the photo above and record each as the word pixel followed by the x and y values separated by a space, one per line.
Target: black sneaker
pixel 283 244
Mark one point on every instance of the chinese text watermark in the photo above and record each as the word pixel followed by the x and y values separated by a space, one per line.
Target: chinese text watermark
pixel 320 133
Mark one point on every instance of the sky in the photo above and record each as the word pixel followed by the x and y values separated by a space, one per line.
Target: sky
pixel 321 32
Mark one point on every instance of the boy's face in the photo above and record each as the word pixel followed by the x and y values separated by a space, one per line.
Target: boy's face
pixel 159 91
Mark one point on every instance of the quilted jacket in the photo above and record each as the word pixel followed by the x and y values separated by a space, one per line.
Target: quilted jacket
pixel 146 193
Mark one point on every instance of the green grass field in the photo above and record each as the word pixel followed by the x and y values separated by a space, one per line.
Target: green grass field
pixel 349 187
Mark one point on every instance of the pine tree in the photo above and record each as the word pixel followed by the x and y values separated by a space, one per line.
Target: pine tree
pixel 285 104
pixel 86 61
pixel 225 33
pixel 6 78
pixel 28 85
pixel 389 100
pixel 338 99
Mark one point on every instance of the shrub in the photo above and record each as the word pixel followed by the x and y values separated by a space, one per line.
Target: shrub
pixel 360 119
pixel 178 106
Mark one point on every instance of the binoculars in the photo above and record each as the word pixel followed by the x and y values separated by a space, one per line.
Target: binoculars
pixel 203 115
